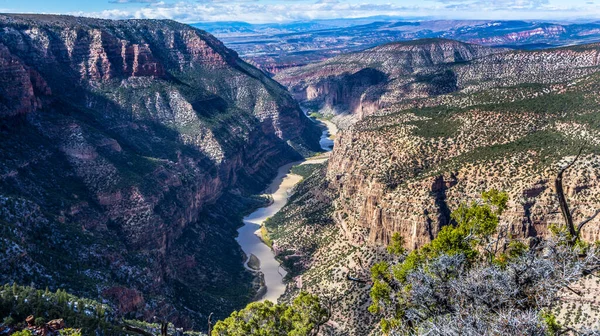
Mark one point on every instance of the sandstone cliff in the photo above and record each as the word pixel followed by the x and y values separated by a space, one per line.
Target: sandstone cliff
pixel 512 120
pixel 127 149
pixel 364 83
pixel 515 118
pixel 358 83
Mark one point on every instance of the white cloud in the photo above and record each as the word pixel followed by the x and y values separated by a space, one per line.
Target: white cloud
pixel 251 11
pixel 257 11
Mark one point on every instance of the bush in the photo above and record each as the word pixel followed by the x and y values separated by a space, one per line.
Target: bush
pixel 18 302
pixel 70 332
pixel 22 333
pixel 456 286
pixel 303 317
pixel 40 321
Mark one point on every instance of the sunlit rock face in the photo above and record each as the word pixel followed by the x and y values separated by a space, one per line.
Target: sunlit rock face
pixel 512 120
pixel 362 83
pixel 125 148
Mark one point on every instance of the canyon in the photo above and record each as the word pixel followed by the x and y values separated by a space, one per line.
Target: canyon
pixel 134 157
pixel 418 115
pixel 252 237
pixel 274 47
pixel 130 151
pixel 426 126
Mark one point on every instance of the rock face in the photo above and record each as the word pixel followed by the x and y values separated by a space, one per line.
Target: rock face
pixel 360 83
pixel 410 71
pixel 510 122
pixel 22 87
pixel 127 149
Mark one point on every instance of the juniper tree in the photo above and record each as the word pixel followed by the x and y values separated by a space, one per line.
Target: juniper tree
pixel 467 283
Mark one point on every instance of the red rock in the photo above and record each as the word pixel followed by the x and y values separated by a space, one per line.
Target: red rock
pixel 127 300
pixel 56 324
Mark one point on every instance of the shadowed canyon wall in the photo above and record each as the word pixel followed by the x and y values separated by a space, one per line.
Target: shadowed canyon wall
pixel 128 150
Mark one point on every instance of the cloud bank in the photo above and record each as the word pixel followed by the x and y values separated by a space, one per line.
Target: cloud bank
pixel 261 11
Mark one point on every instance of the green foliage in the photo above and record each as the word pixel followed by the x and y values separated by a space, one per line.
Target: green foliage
pixel 320 116
pixel 396 246
pixel 552 325
pixel 474 225
pixel 476 219
pixel 18 302
pixel 497 199
pixel 264 236
pixel 381 271
pixel 561 231
pixel 516 249
pixel 22 333
pixel 300 318
pixel 40 321
pixel 380 293
pixel 381 290
pixel 414 259
pixel 388 324
pixel 451 241
pixel 70 332
pixel 443 127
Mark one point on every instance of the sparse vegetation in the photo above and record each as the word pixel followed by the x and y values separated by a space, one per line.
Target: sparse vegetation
pixel 305 170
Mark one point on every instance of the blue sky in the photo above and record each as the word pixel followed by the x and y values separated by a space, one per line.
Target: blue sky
pixel 259 11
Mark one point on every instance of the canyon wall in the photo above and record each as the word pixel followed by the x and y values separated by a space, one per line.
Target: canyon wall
pixel 361 83
pixel 508 120
pixel 128 151
pixel 364 83
pixel 432 121
pixel 514 120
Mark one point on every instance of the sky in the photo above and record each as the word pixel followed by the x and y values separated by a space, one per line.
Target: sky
pixel 263 11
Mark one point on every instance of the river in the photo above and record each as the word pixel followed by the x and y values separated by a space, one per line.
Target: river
pixel 279 190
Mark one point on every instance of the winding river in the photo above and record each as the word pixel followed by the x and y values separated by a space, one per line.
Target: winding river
pixel 279 189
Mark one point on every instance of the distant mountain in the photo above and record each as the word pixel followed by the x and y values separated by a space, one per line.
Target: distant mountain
pixel 273 47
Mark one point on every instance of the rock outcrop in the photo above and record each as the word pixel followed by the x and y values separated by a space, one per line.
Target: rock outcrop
pixel 127 149
pixel 514 119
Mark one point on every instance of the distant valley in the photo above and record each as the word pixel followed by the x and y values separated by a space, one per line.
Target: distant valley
pixel 273 47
